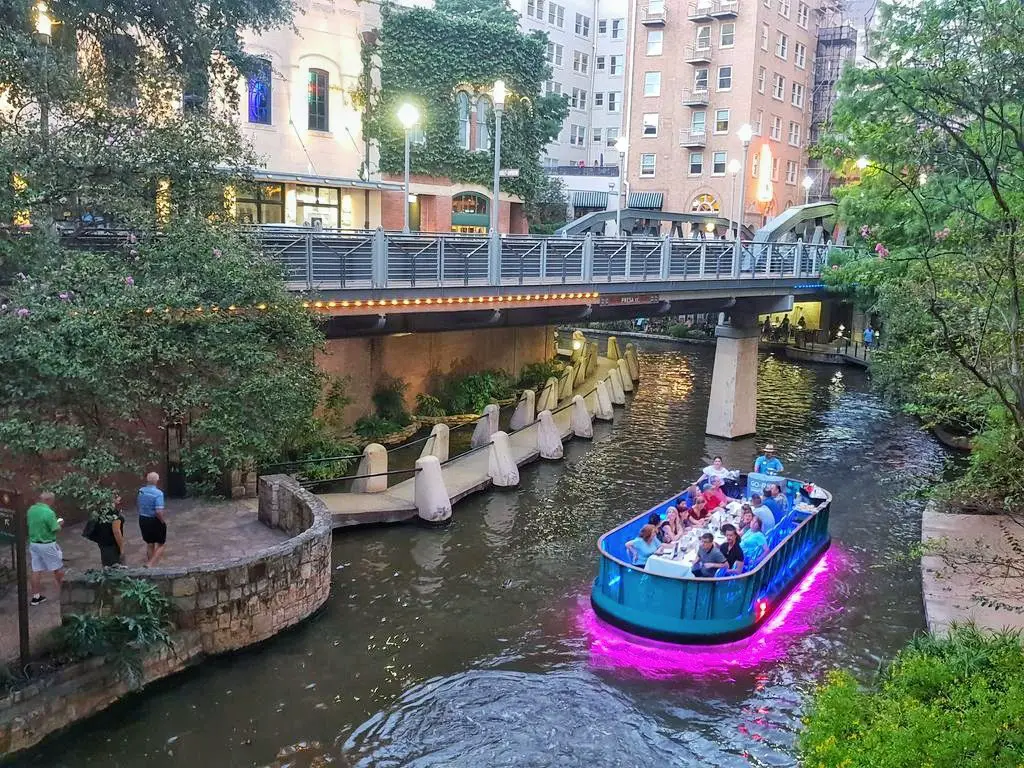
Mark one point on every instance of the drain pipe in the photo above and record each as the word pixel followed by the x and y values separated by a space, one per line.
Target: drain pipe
pixel 627 95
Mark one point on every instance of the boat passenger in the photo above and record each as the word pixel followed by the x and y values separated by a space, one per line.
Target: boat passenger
pixel 768 463
pixel 644 545
pixel 763 513
pixel 731 550
pixel 709 557
pixel 698 513
pixel 689 496
pixel 753 543
pixel 776 500
pixel 673 528
pixel 714 496
pixel 715 469
pixel 746 515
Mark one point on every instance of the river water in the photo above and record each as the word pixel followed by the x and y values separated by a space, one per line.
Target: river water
pixel 474 645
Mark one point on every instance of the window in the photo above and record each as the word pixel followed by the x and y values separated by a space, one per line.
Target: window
pixel 705 204
pixel 724 78
pixel 782 46
pixel 595 136
pixel 784 8
pixel 791 172
pixel 766 32
pixel 776 128
pixel 775 169
pixel 647 164
pixel 580 62
pixel 556 15
pixel 579 98
pixel 599 62
pixel 462 104
pixel 614 101
pixel 551 86
pixel 718 163
pixel 535 9
pixel 727 34
pixel 798 95
pixel 655 40
pixel 316 206
pixel 577 135
pixel 700 79
pixel 602 27
pixel 652 83
pixel 722 121
pixel 599 98
pixel 702 41
pixel 696 163
pixel 260 203
pixel 582 25
pixel 617 28
pixel 794 133
pixel 614 65
pixel 260 91
pixel 698 122
pixel 611 135
pixel 483 131
pixel 778 87
pixel 650 125
pixel 802 12
pixel 762 79
pixel 316 101
pixel 555 52
pixel 800 55
pixel 758 123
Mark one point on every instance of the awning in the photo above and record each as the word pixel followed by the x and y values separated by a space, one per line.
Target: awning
pixel 326 181
pixel 590 200
pixel 651 200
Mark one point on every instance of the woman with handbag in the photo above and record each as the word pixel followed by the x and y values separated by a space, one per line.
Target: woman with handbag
pixel 106 528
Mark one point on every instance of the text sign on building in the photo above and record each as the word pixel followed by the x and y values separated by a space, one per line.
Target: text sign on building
pixel 509 173
pixel 640 298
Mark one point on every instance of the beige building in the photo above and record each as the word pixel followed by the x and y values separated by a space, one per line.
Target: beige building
pixel 699 71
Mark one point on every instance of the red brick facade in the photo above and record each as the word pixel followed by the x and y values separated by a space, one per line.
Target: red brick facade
pixel 435 210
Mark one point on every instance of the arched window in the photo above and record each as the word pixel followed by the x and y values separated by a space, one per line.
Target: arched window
pixel 462 103
pixel 260 93
pixel 705 204
pixel 317 100
pixel 470 203
pixel 483 132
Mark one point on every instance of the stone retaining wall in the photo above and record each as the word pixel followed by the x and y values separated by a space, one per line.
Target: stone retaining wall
pixel 216 607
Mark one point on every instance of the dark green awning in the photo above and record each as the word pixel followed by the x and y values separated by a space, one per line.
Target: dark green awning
pixel 590 200
pixel 651 200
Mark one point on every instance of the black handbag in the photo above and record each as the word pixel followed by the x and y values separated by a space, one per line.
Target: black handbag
pixel 89 531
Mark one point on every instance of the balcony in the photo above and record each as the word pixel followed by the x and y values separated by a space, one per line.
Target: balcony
pixel 701 11
pixel 695 55
pixel 725 9
pixel 653 15
pixel 695 97
pixel 693 139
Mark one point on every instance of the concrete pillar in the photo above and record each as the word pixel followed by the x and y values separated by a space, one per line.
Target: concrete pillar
pixel 437 445
pixel 374 462
pixel 486 426
pixel 627 380
pixel 501 466
pixel 579 374
pixel 432 501
pixel 592 358
pixel 582 426
pixel 618 393
pixel 613 348
pixel 525 412
pixel 633 362
pixel 732 410
pixel 579 344
pixel 604 410
pixel 565 386
pixel 548 396
pixel 549 439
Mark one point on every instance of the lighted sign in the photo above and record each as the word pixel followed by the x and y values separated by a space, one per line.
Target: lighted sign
pixel 765 193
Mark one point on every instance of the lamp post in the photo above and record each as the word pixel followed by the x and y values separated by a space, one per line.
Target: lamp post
pixel 408 116
pixel 807 183
pixel 44 31
pixel 734 168
pixel 498 96
pixel 862 162
pixel 621 145
pixel 746 133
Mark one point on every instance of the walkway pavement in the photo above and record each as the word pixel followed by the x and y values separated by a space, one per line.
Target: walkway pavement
pixel 199 531
pixel 958 573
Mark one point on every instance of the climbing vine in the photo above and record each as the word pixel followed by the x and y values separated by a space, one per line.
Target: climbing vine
pixel 424 54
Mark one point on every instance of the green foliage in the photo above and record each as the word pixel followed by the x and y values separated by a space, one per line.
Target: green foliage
pixel 320 438
pixel 535 375
pixel 389 400
pixel 374 426
pixel 425 54
pixel 428 405
pixel 684 331
pixel 131 619
pixel 548 210
pixel 470 393
pixel 946 703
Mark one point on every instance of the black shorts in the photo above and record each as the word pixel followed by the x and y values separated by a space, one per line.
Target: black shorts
pixel 154 531
pixel 110 555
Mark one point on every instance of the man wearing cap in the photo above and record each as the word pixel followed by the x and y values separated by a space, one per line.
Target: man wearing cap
pixel 767 463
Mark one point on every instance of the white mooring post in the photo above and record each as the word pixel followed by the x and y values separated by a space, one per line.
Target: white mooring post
pixel 432 501
pixel 374 462
pixel 582 426
pixel 549 439
pixel 501 467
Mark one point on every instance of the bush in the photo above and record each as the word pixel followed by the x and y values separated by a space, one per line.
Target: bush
pixel 683 331
pixel 428 405
pixel 471 393
pixel 321 439
pixel 535 375
pixel 374 427
pixel 389 400
pixel 955 702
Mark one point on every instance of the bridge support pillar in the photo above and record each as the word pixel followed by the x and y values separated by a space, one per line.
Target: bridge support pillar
pixel 501 467
pixel 618 393
pixel 732 410
pixel 525 412
pixel 437 445
pixel 548 396
pixel 582 426
pixel 613 349
pixel 374 462
pixel 549 439
pixel 565 384
pixel 604 410
pixel 633 362
pixel 432 501
pixel 624 375
pixel 486 426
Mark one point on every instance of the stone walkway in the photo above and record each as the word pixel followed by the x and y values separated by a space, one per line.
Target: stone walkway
pixel 199 532
pixel 957 573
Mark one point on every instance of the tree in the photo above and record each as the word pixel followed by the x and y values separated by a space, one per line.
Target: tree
pixel 548 210
pixel 938 112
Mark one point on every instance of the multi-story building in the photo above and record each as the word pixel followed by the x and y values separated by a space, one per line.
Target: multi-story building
pixel 702 69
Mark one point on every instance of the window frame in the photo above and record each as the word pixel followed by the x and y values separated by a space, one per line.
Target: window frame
pixel 782 46
pixel 778 87
pixel 720 70
pixel 721 34
pixel 800 56
pixel 314 118
pixel 718 120
pixel 263 79
pixel 653 165
pixel 656 84
pixel 463 98
pixel 483 131
pixel 699 165
pixel 715 164
pixel 644 125
pixel 660 44
pixel 798 88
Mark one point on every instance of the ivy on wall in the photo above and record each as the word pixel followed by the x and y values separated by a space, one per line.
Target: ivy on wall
pixel 425 55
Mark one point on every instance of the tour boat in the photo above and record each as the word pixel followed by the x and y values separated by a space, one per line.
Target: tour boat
pixel 664 601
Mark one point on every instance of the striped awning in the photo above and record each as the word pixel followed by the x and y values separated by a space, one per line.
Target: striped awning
pixel 582 199
pixel 651 200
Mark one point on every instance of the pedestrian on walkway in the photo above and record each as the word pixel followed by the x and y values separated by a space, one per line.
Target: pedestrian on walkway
pixel 108 533
pixel 43 525
pixel 152 523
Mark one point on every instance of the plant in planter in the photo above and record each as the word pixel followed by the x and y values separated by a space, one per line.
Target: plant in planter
pixel 535 375
pixel 473 392
pixel 428 405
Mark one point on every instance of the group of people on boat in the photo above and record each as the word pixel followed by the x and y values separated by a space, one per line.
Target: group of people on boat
pixel 744 543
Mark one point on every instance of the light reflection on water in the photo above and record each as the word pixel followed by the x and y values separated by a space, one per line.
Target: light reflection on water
pixel 464 646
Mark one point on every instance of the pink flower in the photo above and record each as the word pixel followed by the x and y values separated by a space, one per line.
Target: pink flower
pixel 942 234
pixel 134 253
pixel 129 281
pixel 865 231
pixel 132 238
pixel 65 296
pixel 217 253
pixel 21 312
pixel 883 252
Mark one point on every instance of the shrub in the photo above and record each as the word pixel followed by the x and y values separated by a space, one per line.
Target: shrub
pixel 471 393
pixel 955 702
pixel 389 400
pixel 428 405
pixel 683 331
pixel 535 375
pixel 373 427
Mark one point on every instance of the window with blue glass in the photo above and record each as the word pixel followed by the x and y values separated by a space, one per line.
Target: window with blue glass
pixel 319 85
pixel 260 93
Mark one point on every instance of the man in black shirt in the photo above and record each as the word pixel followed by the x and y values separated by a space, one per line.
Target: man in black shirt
pixel 731 549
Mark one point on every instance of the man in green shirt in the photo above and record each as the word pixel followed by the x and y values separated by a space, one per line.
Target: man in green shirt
pixel 43 525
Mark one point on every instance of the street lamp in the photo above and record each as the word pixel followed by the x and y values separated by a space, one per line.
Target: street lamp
pixel 808 182
pixel 922 179
pixel 44 30
pixel 734 168
pixel 499 108
pixel 44 24
pixel 621 145
pixel 746 133
pixel 408 116
pixel 862 162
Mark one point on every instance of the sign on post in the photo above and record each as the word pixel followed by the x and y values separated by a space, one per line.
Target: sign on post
pixel 13 522
pixel 509 173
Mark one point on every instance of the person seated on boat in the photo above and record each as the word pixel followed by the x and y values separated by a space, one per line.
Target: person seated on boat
pixel 709 557
pixel 697 514
pixel 776 500
pixel 763 513
pixel 746 515
pixel 715 469
pixel 768 463
pixel 714 496
pixel 689 496
pixel 731 550
pixel 644 545
pixel 754 544
pixel 672 527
